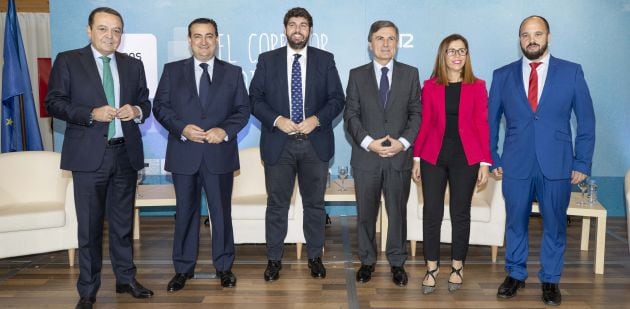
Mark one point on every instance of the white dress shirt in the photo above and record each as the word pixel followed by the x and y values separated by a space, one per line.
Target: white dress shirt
pixel 377 71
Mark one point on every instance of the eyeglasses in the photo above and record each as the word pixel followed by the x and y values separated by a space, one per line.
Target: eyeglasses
pixel 462 51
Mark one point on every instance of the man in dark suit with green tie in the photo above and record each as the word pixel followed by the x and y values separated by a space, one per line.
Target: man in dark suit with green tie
pixel 102 96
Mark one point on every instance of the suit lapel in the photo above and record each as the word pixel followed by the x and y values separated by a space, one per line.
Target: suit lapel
pixel 370 86
pixel 281 73
pixel 218 72
pixel 188 68
pixel 310 77
pixel 89 65
pixel 519 84
pixel 121 66
pixel 393 84
pixel 551 74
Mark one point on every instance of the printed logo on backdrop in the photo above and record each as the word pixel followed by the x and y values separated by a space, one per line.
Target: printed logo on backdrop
pixel 143 46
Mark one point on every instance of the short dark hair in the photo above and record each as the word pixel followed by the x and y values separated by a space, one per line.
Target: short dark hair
pixel 534 16
pixel 377 25
pixel 107 10
pixel 204 20
pixel 298 12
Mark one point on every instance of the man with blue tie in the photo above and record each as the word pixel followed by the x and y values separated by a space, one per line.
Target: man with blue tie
pixel 202 102
pixel 296 94
pixel 537 95
pixel 102 96
pixel 382 117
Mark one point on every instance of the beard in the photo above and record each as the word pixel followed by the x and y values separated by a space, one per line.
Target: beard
pixel 297 45
pixel 534 54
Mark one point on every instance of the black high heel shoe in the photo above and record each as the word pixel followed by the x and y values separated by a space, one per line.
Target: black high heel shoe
pixel 428 289
pixel 452 286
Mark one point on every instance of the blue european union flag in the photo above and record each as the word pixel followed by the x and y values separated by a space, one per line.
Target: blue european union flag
pixel 20 130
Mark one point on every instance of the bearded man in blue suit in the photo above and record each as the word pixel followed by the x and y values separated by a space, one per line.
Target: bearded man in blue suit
pixel 537 95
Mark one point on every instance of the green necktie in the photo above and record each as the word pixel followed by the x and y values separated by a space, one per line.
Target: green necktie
pixel 108 86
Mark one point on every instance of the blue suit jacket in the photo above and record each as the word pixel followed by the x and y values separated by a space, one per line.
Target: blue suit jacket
pixel 177 104
pixel 543 137
pixel 269 96
pixel 75 88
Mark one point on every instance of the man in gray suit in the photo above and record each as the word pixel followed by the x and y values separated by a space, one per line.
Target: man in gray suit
pixel 383 118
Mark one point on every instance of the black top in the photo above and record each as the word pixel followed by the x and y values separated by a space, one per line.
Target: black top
pixel 453 91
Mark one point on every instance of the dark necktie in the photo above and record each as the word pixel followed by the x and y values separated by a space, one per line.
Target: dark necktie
pixel 204 85
pixel 383 90
pixel 297 106
pixel 532 94
pixel 108 86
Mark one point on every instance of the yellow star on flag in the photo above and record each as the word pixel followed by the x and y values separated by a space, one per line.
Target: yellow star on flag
pixel 9 122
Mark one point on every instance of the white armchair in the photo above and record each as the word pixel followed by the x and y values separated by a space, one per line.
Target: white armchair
pixel 627 191
pixel 37 211
pixel 249 204
pixel 487 216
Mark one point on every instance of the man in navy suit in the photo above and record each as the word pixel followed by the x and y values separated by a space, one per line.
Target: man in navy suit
pixel 537 95
pixel 203 103
pixel 102 96
pixel 296 94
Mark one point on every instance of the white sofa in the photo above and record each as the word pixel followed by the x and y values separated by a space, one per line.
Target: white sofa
pixel 37 211
pixel 249 204
pixel 627 191
pixel 487 216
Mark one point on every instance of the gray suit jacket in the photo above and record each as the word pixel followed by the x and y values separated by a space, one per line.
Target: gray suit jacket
pixel 364 114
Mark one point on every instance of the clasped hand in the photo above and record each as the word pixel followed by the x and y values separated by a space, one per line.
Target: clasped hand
pixel 198 135
pixel 107 113
pixel 394 147
pixel 307 126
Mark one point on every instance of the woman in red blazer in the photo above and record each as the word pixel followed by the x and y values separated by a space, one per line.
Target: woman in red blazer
pixel 452 146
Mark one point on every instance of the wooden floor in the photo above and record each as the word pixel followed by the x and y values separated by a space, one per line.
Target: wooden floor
pixel 46 281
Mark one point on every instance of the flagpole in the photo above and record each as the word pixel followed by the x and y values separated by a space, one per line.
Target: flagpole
pixel 22 126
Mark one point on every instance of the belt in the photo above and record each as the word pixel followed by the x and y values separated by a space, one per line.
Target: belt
pixel 298 136
pixel 116 141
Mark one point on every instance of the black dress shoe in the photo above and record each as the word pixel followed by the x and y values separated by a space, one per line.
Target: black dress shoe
pixel 178 282
pixel 135 289
pixel 399 276
pixel 85 303
pixel 272 273
pixel 551 294
pixel 364 274
pixel 508 288
pixel 317 268
pixel 228 280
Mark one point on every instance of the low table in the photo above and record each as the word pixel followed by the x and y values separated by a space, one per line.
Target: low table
pixel 587 212
pixel 151 196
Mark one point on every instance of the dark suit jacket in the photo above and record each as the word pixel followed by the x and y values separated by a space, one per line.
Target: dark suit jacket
pixel 177 104
pixel 75 88
pixel 472 122
pixel 364 114
pixel 543 137
pixel 269 96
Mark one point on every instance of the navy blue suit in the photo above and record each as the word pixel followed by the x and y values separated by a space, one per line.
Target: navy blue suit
pixel 194 165
pixel 104 175
pixel 538 157
pixel 285 157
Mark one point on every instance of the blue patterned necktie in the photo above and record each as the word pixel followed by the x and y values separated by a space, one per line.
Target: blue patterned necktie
pixel 297 106
pixel 383 90
pixel 204 85
pixel 108 86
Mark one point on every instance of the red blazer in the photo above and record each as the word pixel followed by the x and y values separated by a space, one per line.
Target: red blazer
pixel 472 122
